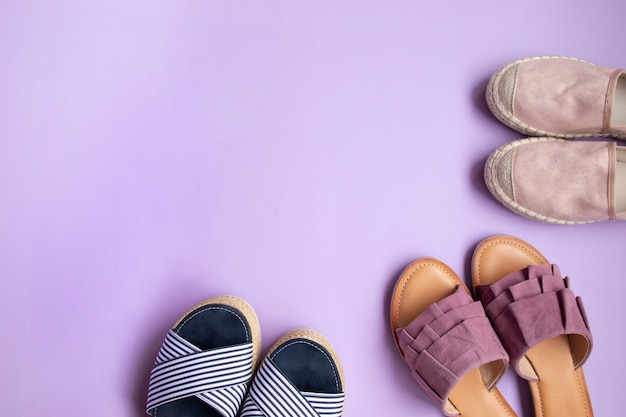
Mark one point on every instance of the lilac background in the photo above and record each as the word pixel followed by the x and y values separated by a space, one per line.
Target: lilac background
pixel 297 154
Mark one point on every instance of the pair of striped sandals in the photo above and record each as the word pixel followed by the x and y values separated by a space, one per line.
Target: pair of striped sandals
pixel 207 367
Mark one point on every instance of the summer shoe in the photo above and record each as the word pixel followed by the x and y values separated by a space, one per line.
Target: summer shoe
pixel 206 361
pixel 300 376
pixel 558 181
pixel 541 323
pixel 447 341
pixel 560 97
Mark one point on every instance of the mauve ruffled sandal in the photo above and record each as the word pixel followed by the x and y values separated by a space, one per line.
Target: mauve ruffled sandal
pixel 541 323
pixel 447 341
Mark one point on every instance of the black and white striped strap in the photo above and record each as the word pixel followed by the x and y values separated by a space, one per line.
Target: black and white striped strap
pixel 216 376
pixel 272 395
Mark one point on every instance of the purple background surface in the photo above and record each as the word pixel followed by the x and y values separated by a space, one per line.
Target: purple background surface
pixel 157 153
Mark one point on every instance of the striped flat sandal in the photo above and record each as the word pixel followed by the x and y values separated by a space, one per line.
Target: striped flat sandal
pixel 206 361
pixel 300 376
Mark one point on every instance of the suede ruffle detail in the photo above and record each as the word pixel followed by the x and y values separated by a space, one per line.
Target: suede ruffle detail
pixel 450 338
pixel 533 305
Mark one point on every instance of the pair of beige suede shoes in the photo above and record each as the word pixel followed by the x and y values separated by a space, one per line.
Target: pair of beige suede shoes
pixel 560 174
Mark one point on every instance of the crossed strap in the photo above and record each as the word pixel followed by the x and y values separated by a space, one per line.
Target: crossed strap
pixel 447 340
pixel 216 376
pixel 273 395
pixel 533 305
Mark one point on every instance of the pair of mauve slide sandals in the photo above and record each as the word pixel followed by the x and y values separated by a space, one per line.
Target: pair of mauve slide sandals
pixel 458 347
pixel 207 367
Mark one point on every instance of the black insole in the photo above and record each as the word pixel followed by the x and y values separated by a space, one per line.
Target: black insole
pixel 206 327
pixel 308 366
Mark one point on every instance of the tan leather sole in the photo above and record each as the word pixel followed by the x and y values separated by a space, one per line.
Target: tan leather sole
pixel 560 389
pixel 423 283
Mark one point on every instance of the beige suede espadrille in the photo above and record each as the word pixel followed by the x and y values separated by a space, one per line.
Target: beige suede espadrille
pixel 559 97
pixel 558 181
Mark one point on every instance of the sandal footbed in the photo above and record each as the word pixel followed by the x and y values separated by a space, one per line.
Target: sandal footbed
pixel 309 361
